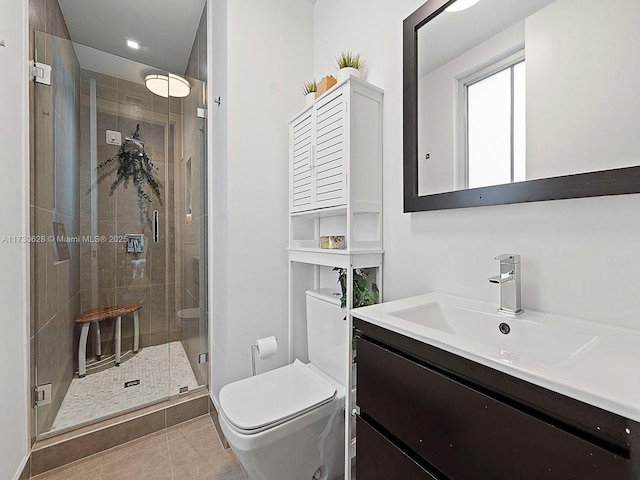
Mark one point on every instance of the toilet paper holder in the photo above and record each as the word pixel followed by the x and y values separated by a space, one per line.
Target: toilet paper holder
pixel 263 348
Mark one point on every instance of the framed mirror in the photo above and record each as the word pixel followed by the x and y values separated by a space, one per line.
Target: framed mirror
pixel 511 101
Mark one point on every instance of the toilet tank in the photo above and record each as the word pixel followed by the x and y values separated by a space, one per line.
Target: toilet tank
pixel 327 333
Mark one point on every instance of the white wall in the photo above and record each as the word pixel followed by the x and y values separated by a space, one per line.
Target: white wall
pixel 580 257
pixel 13 221
pixel 217 153
pixel 595 49
pixel 262 57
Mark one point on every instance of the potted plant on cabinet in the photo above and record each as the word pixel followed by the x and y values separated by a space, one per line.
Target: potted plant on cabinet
pixel 309 90
pixel 349 64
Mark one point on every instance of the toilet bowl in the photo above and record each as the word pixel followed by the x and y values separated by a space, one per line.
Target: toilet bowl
pixel 288 423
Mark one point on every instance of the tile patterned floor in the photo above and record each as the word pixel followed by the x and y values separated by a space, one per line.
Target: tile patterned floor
pixel 161 369
pixel 189 451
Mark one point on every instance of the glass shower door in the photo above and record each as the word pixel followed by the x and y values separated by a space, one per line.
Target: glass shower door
pixel 191 199
pixel 98 131
pixel 55 214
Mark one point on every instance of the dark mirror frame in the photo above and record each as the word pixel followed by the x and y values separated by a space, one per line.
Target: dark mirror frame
pixel 616 181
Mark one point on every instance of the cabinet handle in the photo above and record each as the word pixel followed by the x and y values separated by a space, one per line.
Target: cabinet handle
pixel 312 156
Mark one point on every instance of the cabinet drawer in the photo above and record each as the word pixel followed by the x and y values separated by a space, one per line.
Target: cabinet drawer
pixel 465 433
pixel 379 459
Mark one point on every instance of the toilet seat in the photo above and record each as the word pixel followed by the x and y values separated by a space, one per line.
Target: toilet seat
pixel 258 403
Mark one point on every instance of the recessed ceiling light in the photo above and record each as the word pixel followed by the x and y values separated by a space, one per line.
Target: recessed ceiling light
pixel 461 5
pixel 133 44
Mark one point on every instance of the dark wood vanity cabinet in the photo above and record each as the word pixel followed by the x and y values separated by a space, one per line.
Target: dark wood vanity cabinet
pixel 380 458
pixel 429 414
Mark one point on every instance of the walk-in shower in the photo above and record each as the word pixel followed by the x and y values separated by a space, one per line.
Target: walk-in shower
pixel 118 197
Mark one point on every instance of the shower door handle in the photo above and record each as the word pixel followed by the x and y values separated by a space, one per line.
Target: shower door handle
pixel 155 226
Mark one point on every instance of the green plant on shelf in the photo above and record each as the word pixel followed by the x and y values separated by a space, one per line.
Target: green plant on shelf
pixel 310 87
pixel 364 293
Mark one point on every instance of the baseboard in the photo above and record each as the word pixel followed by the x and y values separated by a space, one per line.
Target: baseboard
pixel 24 470
pixel 213 413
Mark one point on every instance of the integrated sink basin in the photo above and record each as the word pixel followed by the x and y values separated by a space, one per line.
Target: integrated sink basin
pixel 594 362
pixel 511 338
pixel 475 327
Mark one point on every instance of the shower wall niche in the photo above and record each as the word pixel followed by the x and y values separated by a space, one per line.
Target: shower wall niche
pixel 94 94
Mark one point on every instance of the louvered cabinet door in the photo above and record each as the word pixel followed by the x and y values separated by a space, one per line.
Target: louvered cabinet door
pixel 330 154
pixel 301 155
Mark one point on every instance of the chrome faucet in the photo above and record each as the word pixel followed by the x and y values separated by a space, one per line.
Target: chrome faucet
pixel 509 281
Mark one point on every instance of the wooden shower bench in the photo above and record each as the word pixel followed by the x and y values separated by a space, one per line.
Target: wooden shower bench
pixel 95 316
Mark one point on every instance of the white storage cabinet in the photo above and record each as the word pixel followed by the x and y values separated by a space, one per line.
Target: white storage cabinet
pixel 335 189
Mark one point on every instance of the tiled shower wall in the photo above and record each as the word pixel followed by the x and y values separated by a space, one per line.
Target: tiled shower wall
pixel 110 275
pixel 54 153
pixel 193 240
pixel 65 190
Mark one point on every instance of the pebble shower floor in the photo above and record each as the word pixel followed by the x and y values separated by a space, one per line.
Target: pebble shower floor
pixel 161 369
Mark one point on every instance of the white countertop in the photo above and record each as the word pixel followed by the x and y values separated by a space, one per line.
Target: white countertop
pixel 606 374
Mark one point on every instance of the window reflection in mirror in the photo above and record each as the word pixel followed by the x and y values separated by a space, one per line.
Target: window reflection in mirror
pixel 581 113
pixel 494 121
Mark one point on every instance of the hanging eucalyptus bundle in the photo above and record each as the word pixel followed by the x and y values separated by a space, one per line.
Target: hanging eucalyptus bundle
pixel 134 165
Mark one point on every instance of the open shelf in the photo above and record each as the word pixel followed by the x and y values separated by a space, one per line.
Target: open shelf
pixel 336 258
pixel 362 231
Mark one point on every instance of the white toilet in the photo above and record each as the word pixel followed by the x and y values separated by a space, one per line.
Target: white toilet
pixel 288 424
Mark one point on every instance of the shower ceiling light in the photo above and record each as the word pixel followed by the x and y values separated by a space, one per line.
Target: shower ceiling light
pixel 461 5
pixel 133 44
pixel 167 85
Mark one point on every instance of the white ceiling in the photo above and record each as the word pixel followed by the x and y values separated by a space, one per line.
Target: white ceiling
pixel 112 65
pixel 452 33
pixel 165 28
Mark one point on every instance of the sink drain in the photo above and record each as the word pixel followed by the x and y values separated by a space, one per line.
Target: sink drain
pixel 504 328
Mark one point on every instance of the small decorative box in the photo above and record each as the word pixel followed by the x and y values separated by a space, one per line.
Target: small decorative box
pixel 325 84
pixel 333 241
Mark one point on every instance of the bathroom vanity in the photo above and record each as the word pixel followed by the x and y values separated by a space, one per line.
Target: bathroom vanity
pixel 438 400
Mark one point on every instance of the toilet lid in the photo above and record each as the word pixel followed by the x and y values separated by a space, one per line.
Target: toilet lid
pixel 259 402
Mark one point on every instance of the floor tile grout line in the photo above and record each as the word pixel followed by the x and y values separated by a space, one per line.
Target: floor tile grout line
pixel 131 456
pixel 173 477
pixel 123 447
